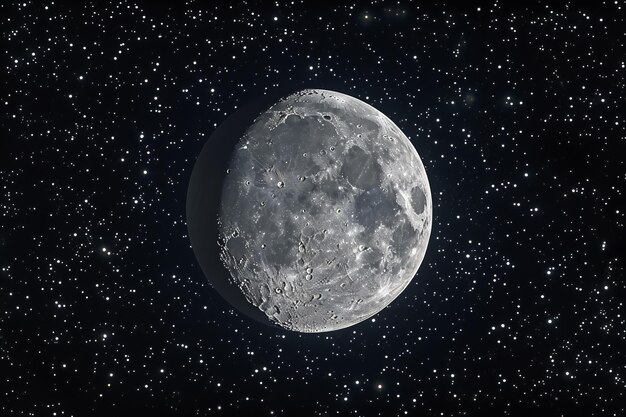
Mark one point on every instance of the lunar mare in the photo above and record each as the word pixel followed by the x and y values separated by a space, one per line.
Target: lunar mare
pixel 324 214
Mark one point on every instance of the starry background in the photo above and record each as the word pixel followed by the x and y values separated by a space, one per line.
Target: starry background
pixel 517 113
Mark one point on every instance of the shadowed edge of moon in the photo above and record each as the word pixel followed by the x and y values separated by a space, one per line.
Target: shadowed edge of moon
pixel 204 198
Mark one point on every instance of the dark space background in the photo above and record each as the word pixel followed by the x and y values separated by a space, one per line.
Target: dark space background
pixel 516 111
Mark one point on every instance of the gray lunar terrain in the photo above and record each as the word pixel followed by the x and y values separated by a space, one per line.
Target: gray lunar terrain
pixel 325 212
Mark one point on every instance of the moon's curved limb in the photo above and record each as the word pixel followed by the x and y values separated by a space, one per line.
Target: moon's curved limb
pixel 325 214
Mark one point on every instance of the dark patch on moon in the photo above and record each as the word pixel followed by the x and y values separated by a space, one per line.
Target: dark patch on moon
pixel 372 208
pixel 284 243
pixel 361 169
pixel 403 238
pixel 418 200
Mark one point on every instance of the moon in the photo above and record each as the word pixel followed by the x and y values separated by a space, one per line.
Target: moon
pixel 315 213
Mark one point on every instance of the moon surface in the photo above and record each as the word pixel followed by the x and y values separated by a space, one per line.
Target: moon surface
pixel 316 218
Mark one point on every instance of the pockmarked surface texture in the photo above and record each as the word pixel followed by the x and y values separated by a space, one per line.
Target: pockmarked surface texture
pixel 325 212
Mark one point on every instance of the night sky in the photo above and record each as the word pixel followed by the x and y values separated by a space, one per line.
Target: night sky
pixel 517 114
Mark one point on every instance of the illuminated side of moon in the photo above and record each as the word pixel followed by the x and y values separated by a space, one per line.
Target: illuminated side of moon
pixel 325 213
